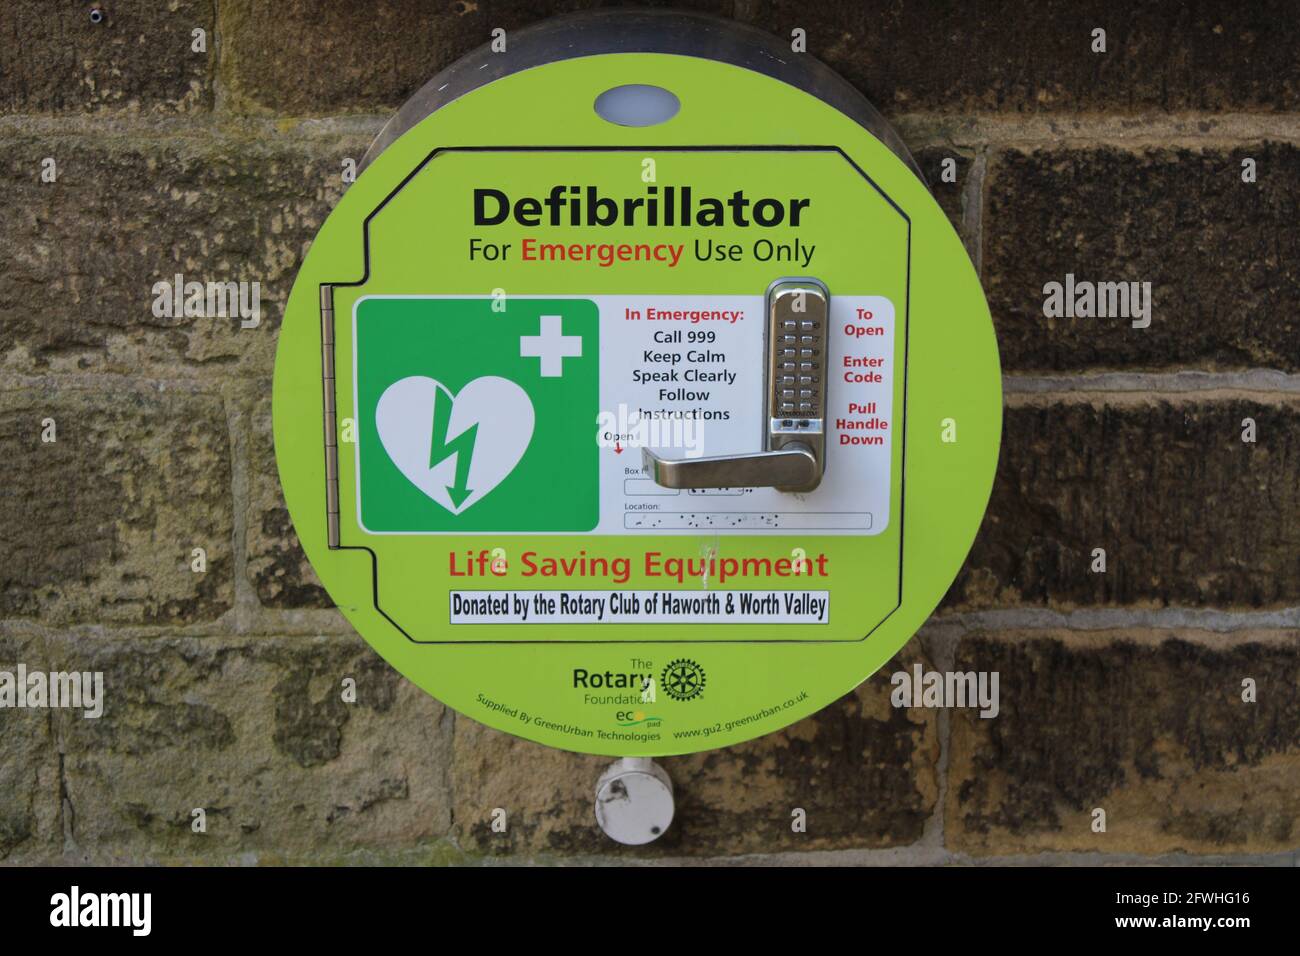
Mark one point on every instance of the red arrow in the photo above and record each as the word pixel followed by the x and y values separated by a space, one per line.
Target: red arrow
pixel 618 449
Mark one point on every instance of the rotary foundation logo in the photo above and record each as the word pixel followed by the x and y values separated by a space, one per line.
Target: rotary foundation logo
pixel 683 679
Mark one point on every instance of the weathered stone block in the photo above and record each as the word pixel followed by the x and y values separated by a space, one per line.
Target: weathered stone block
pixel 140 57
pixel 1031 55
pixel 277 566
pixel 255 732
pixel 1187 512
pixel 1150 727
pixel 303 57
pixel 951 196
pixel 80 257
pixel 100 524
pixel 1222 256
pixel 31 819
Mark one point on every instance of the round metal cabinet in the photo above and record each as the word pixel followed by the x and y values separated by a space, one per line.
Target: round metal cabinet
pixel 637 398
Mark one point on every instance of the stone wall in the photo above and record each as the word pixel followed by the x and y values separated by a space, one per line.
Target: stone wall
pixel 1120 690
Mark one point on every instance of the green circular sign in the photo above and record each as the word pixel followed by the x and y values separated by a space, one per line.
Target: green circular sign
pixel 637 439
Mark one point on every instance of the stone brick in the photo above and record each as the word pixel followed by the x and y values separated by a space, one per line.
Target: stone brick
pixel 80 257
pixel 362 58
pixel 1035 55
pixel 99 525
pixel 1188 514
pixel 951 196
pixel 277 566
pixel 256 733
pixel 864 771
pixel 1222 256
pixel 30 817
pixel 53 58
pixel 944 56
pixel 1149 727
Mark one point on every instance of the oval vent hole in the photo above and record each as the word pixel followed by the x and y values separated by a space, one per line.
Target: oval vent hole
pixel 637 104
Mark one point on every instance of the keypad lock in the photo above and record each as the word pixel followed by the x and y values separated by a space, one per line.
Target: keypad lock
pixel 794 453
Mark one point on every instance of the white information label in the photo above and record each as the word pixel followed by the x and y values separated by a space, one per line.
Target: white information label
pixel 684 376
pixel 639 607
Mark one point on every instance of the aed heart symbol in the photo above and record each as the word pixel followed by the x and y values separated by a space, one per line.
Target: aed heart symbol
pixel 455 448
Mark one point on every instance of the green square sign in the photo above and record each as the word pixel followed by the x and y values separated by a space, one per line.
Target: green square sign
pixel 470 419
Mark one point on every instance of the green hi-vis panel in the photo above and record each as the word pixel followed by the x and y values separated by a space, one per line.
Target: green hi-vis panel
pixel 637 440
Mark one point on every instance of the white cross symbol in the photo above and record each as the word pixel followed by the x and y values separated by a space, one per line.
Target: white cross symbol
pixel 551 345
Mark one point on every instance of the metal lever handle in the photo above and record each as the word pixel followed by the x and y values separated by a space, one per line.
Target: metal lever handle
pixel 794 405
pixel 792 467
